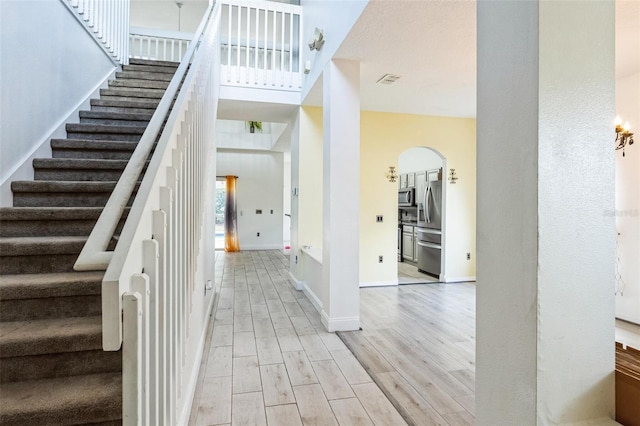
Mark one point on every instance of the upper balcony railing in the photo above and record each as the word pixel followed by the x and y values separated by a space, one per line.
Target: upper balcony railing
pixel 259 44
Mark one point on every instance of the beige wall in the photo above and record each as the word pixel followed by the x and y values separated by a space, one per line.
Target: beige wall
pixel 383 137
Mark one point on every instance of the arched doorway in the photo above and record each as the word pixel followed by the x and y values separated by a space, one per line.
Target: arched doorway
pixel 421 216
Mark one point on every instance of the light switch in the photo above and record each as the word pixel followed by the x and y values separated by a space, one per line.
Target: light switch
pixel 379 218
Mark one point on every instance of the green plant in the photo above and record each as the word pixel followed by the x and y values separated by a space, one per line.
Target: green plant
pixel 254 125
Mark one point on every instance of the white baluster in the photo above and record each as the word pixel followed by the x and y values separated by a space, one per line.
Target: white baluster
pixel 257 49
pixel 229 10
pixel 248 44
pixel 131 356
pixel 273 51
pixel 291 49
pixel 161 233
pixel 237 44
pixel 150 251
pixel 140 285
pixel 282 51
pixel 172 277
pixel 264 51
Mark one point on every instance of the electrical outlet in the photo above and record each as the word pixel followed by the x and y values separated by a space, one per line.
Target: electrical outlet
pixel 258 211
pixel 379 218
pixel 271 211
pixel 295 259
pixel 258 234
pixel 468 256
pixel 380 258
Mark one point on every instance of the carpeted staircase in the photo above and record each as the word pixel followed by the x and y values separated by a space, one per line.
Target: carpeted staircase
pixel 52 367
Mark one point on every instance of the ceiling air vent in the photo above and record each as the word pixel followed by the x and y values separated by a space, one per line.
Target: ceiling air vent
pixel 388 79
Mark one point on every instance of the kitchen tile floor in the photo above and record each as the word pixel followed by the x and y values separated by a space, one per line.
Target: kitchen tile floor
pixel 408 274
pixel 268 359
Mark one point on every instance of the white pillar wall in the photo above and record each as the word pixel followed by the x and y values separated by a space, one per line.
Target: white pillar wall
pixel 341 195
pixel 545 237
pixel 294 260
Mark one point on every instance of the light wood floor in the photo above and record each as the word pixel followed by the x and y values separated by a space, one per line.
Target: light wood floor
pixel 418 344
pixel 268 359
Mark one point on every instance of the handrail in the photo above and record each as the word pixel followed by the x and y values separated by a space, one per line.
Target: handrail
pixel 94 255
pixel 107 22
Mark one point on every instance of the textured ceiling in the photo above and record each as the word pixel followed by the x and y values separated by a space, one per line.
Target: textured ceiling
pixel 431 45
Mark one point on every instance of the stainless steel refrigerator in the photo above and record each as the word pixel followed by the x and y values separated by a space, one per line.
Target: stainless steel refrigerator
pixel 429 209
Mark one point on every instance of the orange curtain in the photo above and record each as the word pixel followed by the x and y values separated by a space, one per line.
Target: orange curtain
pixel 230 218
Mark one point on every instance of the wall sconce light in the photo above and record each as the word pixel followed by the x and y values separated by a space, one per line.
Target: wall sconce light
pixel 623 134
pixel 391 174
pixel 452 176
pixel 317 41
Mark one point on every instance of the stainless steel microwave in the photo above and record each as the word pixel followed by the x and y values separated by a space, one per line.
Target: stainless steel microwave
pixel 406 197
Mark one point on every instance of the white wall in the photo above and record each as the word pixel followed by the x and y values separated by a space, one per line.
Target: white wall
pixel 419 159
pixel 259 187
pixel 627 211
pixel 335 18
pixel 164 14
pixel 50 66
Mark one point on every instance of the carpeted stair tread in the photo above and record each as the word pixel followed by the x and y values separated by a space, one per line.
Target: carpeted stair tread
pixel 149 68
pixel 104 128
pixel 116 115
pixel 23 338
pixel 46 186
pixel 93 144
pixel 25 286
pixel 60 401
pixel 49 213
pixel 146 104
pixel 155 63
pixel 142 75
pixel 139 83
pixel 128 92
pixel 41 246
pixel 79 163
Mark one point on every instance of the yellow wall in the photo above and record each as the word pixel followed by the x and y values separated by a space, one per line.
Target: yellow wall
pixel 383 137
pixel 310 180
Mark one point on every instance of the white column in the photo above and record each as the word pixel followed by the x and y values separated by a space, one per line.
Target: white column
pixel 341 195
pixel 546 240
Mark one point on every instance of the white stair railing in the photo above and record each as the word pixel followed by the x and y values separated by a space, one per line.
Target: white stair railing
pixel 149 280
pixel 159 45
pixel 260 42
pixel 108 22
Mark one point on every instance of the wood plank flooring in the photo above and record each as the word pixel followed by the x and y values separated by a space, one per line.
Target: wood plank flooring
pixel 268 360
pixel 418 344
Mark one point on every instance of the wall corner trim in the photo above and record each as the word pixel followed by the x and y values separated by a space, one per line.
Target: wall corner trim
pixel 378 283
pixel 340 324
pixel 298 284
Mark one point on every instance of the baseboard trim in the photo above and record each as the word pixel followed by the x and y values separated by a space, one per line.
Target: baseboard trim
pixel 340 324
pixel 262 247
pixel 299 285
pixel 315 301
pixel 379 283
pixel 459 279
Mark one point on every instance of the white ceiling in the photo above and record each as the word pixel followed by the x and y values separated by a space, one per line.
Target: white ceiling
pixel 431 45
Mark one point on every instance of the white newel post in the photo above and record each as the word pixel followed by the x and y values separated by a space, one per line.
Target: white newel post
pixel 546 239
pixel 341 195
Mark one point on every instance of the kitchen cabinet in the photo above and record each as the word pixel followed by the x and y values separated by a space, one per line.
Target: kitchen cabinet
pixel 403 180
pixel 408 243
pixel 411 180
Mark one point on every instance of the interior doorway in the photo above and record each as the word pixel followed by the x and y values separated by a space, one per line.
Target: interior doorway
pixel 421 216
pixel 221 201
